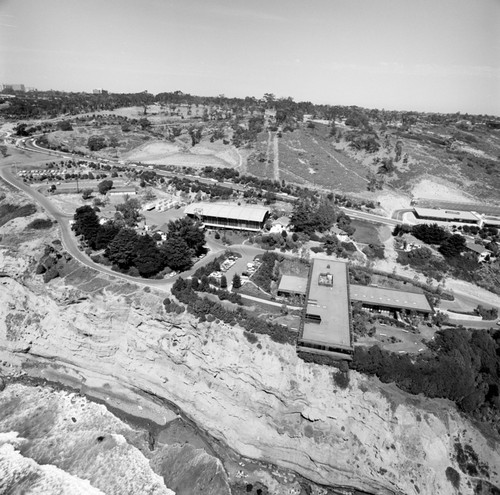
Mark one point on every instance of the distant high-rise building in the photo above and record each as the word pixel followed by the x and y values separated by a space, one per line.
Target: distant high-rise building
pixel 14 87
pixel 100 91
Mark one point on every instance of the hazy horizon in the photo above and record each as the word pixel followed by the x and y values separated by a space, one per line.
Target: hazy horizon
pixel 425 56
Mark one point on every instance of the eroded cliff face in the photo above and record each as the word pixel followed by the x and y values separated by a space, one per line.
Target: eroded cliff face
pixel 261 400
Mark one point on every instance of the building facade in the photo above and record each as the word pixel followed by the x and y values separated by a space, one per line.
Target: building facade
pixel 229 216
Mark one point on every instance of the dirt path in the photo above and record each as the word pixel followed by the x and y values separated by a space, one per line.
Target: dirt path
pixel 339 162
pixel 269 152
pixel 276 160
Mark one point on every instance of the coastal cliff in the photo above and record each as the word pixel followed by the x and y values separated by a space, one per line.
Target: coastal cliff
pixel 109 338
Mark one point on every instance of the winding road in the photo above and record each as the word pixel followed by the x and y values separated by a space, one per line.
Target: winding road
pixel 70 242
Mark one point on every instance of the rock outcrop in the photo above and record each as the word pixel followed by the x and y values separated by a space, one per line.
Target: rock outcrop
pixel 259 399
pixel 187 470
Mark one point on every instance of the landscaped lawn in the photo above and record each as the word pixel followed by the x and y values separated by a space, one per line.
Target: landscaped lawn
pixel 366 232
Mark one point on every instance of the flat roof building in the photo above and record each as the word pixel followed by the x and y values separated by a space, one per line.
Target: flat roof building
pixel 391 299
pixel 229 216
pixel 291 285
pixel 451 216
pixel 326 325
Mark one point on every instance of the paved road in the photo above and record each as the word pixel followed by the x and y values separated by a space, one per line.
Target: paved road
pixel 371 217
pixel 69 240
pixel 248 252
pixel 399 214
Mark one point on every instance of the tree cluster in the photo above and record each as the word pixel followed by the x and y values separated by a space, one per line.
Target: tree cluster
pixel 140 254
pixel 313 216
pixel 463 367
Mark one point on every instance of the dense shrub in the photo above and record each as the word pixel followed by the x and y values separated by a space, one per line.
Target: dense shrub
pixel 40 224
pixel 251 337
pixel 341 379
pixel 453 476
pixel 464 367
pixel 486 313
pixel 9 212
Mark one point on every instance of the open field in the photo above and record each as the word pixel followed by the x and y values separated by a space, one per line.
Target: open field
pixel 202 155
pixel 306 153
pixel 366 232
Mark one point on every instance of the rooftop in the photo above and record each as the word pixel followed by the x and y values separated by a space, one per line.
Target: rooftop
pixel 291 283
pixel 438 214
pixel 392 298
pixel 233 211
pixel 477 248
pixel 328 298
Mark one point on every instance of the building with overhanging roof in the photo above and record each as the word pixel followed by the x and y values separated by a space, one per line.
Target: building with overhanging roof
pixel 229 216
pixel 381 299
pixel 326 325
pixel 450 216
pixel 291 285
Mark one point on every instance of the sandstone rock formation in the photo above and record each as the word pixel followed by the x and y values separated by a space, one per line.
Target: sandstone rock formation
pixel 261 400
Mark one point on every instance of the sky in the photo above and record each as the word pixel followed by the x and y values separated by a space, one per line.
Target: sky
pixel 423 55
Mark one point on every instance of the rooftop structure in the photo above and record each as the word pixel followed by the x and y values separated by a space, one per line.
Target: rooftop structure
pixel 481 252
pixel 326 327
pixel 122 190
pixel 452 216
pixel 230 216
pixel 292 285
pixel 381 298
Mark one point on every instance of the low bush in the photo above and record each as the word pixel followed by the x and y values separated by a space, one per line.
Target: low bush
pixel 341 379
pixel 201 307
pixel 40 224
pixel 453 476
pixel 251 337
pixel 9 212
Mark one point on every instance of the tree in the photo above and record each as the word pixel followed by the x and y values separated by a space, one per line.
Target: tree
pixel 452 246
pixel 399 150
pixel 190 231
pixel 176 254
pixel 144 123
pixel 87 193
pixel 236 281
pixel 96 143
pixel 223 282
pixel 148 259
pixel 128 212
pixel 86 224
pixel 429 233
pixel 65 125
pixel 104 186
pixel 123 248
pixel 106 233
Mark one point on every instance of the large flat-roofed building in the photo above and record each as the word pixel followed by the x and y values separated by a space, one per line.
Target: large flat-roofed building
pixel 381 299
pixel 229 216
pixel 326 325
pixel 450 216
